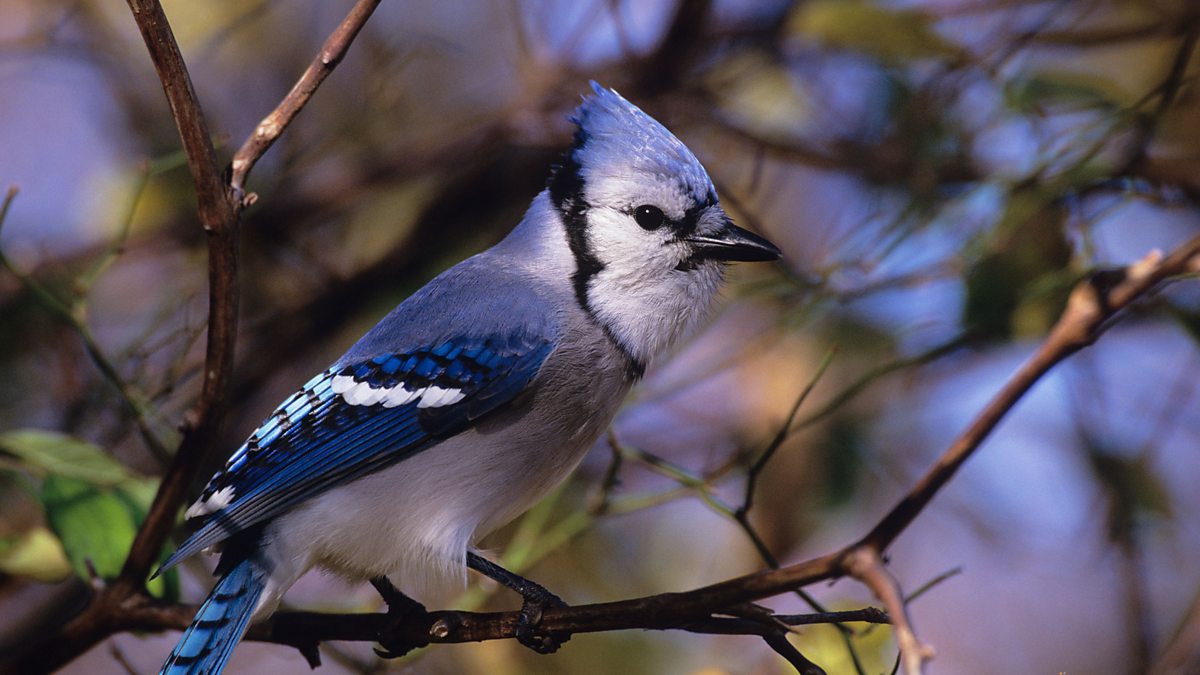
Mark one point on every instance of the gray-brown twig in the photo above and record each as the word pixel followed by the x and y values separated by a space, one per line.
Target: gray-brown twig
pixel 271 126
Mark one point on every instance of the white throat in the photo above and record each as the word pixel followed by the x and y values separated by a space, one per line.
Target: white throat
pixel 645 306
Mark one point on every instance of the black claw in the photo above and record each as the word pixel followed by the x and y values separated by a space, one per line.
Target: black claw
pixel 389 653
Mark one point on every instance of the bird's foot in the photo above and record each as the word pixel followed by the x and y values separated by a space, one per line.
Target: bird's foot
pixel 529 630
pixel 536 600
pixel 400 608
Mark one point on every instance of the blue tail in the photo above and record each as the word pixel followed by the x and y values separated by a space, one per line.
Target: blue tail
pixel 220 623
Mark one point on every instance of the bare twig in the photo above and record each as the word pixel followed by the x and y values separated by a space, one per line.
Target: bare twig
pixel 219 218
pixel 270 128
pixel 779 643
pixel 760 462
pixel 1091 306
pixel 1090 310
pixel 866 565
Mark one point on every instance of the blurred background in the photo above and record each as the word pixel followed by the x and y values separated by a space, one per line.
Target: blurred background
pixel 938 173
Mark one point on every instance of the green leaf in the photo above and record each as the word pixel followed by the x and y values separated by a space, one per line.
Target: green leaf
pixel 842 460
pixel 1134 489
pixel 36 554
pixel 50 452
pixel 1188 319
pixel 92 502
pixel 1019 283
pixel 893 35
pixel 95 525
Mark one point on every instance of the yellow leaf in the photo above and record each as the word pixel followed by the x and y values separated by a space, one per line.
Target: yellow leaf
pixel 36 554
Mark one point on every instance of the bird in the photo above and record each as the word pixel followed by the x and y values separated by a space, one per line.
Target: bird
pixel 477 394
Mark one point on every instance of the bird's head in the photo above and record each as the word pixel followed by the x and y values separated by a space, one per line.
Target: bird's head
pixel 649 237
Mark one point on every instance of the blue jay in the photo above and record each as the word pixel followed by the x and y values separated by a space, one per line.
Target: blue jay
pixel 476 395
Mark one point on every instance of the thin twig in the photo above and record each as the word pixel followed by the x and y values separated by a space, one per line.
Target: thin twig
pixel 1091 306
pixel 782 434
pixel 781 646
pixel 866 565
pixel 270 128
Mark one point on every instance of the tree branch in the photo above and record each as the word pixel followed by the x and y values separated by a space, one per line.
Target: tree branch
pixel 219 217
pixel 1091 305
pixel 304 630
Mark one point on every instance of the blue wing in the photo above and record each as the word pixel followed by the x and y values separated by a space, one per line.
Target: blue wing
pixel 357 418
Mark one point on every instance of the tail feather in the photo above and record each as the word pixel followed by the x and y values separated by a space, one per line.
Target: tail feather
pixel 220 624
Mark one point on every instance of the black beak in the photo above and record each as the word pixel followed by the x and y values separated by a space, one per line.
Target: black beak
pixel 734 244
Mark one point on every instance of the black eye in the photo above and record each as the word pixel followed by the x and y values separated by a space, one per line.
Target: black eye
pixel 649 217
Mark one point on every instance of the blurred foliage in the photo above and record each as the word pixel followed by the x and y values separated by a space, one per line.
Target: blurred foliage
pixel 1019 284
pixel 939 173
pixel 37 554
pixel 93 505
pixel 1134 489
pixel 843 453
pixel 895 36
pixel 1037 93
pixel 50 453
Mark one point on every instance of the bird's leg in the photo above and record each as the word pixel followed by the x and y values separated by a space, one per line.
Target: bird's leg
pixel 400 607
pixel 536 598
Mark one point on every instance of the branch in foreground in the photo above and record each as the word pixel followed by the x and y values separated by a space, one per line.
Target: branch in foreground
pixel 305 630
pixel 219 208
pixel 219 217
